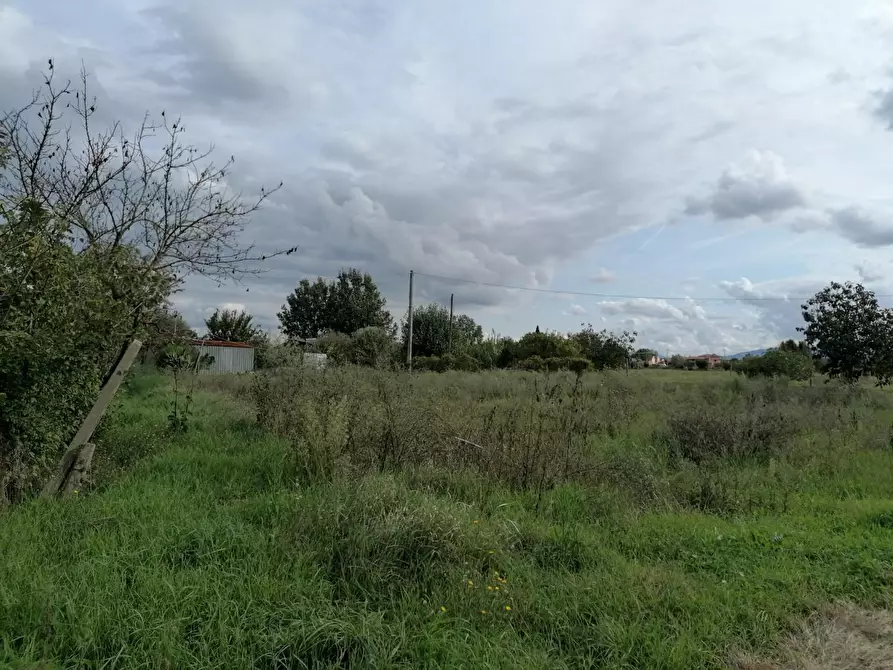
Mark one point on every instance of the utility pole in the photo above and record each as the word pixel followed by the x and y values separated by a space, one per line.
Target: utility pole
pixel 450 348
pixel 409 345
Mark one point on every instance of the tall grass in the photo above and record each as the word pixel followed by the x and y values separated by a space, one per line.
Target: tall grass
pixel 363 519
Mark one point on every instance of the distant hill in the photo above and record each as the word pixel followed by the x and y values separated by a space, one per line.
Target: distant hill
pixel 755 352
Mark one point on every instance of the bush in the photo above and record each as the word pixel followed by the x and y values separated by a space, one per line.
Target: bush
pixel 701 364
pixel 775 363
pixel 338 347
pixel 373 347
pixel 710 432
pixel 467 363
pixel 573 364
pixel 533 363
pixel 64 319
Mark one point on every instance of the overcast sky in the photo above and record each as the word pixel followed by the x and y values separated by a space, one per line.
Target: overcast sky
pixel 668 150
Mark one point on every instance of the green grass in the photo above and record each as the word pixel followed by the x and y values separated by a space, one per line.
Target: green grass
pixel 216 549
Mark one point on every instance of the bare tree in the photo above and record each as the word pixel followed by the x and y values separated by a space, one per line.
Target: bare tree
pixel 172 204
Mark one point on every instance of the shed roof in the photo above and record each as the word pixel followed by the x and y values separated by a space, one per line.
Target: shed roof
pixel 220 343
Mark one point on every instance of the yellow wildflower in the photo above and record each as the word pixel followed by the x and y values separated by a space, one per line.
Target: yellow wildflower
pixel 442 608
pixel 475 521
pixel 489 588
pixel 508 608
pixel 483 611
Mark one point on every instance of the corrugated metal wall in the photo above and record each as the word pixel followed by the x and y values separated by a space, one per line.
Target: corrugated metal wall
pixel 227 359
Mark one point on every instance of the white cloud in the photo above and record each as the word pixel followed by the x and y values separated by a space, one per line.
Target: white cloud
pixel 603 276
pixel 576 310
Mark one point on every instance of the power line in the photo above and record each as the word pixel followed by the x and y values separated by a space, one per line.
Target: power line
pixel 622 296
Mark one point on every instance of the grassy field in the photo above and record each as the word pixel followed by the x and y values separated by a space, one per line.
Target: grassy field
pixel 360 519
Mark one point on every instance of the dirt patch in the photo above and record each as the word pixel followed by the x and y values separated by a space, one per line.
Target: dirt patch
pixel 842 637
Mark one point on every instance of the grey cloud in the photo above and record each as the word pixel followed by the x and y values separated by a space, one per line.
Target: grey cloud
pixel 861 228
pixel 206 70
pixel 869 272
pixel 757 187
pixel 884 108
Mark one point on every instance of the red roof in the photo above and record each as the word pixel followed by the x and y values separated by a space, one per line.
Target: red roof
pixel 220 343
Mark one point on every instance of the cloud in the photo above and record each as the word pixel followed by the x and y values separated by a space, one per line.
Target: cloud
pixel 431 137
pixel 759 186
pixel 576 310
pixel 870 272
pixel 861 228
pixel 603 276
pixel 777 303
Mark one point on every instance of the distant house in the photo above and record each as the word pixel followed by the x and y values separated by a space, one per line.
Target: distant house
pixel 713 360
pixel 228 357
pixel 656 362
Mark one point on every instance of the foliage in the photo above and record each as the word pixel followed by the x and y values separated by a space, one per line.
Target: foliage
pixel 183 362
pixel 431 331
pixel 546 345
pixel 338 347
pixel 604 349
pixel 373 347
pixel 229 325
pixel 163 326
pixel 701 363
pixel 64 318
pixel 96 229
pixel 645 354
pixel 712 433
pixel 678 361
pixel 847 328
pixel 488 352
pixel 533 363
pixel 778 363
pixel 344 305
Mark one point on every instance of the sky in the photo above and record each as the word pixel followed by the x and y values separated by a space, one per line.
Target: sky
pixel 691 171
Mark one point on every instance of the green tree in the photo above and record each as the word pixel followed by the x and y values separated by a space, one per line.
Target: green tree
pixel 645 354
pixel 373 347
pixel 229 325
pixel 546 345
pixel 778 363
pixel 97 227
pixel 847 328
pixel 605 349
pixel 431 331
pixel 345 305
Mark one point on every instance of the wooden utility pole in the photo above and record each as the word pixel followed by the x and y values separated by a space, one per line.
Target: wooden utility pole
pixel 450 348
pixel 409 344
pixel 76 461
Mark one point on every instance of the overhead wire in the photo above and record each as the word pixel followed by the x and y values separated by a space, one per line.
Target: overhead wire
pixel 622 296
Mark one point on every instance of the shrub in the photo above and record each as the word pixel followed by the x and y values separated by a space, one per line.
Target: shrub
pixel 710 432
pixel 534 364
pixel 338 347
pixel 776 363
pixel 372 347
pixel 64 317
pixel 467 363
pixel 702 364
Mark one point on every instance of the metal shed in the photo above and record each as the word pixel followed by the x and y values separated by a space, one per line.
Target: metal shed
pixel 229 357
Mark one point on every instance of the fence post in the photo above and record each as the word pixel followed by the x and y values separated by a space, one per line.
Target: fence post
pixel 77 459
